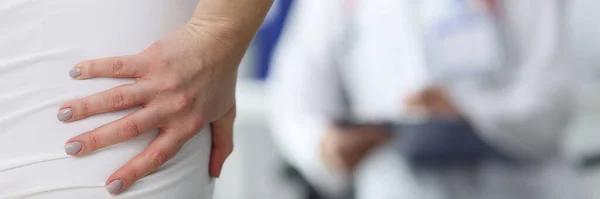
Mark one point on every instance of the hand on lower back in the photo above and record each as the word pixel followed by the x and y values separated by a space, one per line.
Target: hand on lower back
pixel 184 82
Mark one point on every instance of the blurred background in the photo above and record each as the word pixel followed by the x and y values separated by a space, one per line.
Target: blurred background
pixel 266 165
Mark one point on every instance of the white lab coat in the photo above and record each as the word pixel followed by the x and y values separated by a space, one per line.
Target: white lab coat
pixel 524 115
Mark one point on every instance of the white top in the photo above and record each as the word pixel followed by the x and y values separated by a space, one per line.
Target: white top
pixel 41 41
pixel 525 114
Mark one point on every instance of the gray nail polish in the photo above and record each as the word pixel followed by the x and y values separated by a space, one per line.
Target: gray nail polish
pixel 72 148
pixel 75 72
pixel 64 114
pixel 114 187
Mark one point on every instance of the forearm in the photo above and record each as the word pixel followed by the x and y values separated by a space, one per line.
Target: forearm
pixel 232 22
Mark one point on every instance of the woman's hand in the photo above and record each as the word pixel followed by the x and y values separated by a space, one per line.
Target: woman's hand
pixel 184 82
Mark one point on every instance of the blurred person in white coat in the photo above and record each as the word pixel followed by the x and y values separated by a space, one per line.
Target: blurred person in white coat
pixel 514 86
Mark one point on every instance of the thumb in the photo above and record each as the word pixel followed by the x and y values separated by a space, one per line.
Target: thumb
pixel 222 142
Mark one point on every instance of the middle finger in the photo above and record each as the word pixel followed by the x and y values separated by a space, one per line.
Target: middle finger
pixel 118 98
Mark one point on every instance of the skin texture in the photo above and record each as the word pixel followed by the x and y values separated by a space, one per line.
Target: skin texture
pixel 185 81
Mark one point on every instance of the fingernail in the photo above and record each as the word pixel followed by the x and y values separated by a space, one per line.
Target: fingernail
pixel 114 187
pixel 72 148
pixel 75 72
pixel 64 114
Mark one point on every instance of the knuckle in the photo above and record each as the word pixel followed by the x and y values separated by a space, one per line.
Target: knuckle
pixel 133 173
pixel 154 49
pixel 93 141
pixel 173 84
pixel 182 102
pixel 130 130
pixel 234 114
pixel 196 122
pixel 84 109
pixel 158 158
pixel 90 67
pixel 163 63
pixel 229 149
pixel 118 100
pixel 118 67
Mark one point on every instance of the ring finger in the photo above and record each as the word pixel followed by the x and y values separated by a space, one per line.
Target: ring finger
pixel 124 129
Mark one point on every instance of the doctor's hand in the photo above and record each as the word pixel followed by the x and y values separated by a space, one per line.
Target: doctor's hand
pixel 343 148
pixel 434 101
pixel 184 82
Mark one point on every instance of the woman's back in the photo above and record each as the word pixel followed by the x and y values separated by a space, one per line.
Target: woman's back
pixel 41 41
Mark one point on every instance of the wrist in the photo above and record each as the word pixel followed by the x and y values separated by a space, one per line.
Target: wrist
pixel 219 29
pixel 234 22
pixel 218 39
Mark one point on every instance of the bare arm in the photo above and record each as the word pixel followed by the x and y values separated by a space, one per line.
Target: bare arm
pixel 186 82
pixel 231 22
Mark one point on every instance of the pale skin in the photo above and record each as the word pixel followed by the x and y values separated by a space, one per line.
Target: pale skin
pixel 185 81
